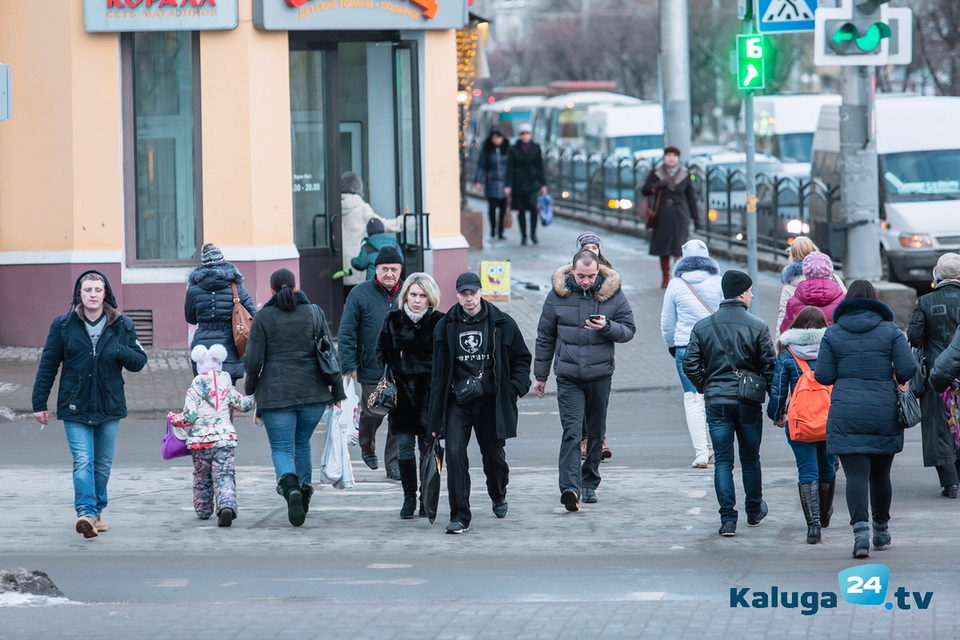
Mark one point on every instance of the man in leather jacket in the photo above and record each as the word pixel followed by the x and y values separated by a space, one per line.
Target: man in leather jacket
pixel 720 346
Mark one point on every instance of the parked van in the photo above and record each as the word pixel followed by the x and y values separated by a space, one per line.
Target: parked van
pixel 625 130
pixel 784 127
pixel 559 121
pixel 918 151
pixel 508 114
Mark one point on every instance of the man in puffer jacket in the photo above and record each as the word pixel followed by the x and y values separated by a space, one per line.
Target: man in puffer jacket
pixel 693 294
pixel 819 289
pixel 583 317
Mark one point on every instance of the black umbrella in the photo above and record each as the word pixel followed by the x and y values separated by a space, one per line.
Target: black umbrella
pixel 431 464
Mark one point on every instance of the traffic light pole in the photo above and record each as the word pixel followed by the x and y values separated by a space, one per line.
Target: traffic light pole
pixel 859 185
pixel 750 147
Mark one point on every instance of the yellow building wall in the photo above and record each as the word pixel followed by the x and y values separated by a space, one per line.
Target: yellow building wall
pixel 441 163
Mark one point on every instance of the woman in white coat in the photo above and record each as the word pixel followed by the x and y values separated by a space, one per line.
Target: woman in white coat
pixel 355 213
pixel 692 294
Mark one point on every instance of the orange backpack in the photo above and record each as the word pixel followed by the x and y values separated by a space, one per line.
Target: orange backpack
pixel 808 407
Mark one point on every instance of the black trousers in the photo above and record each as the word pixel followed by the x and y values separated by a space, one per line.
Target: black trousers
pixel 949 473
pixel 583 407
pixel 526 205
pixel 868 486
pixel 496 212
pixel 369 424
pixel 481 417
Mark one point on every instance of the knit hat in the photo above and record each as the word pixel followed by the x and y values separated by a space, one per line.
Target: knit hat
pixel 695 247
pixel 671 149
pixel 388 255
pixel 211 254
pixel 587 237
pixel 374 227
pixel 817 265
pixel 208 359
pixel 524 127
pixel 734 283
pixel 948 267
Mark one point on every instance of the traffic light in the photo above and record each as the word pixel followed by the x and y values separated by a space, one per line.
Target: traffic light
pixel 863 32
pixel 750 68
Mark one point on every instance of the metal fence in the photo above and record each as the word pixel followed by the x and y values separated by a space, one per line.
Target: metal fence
pixel 607 188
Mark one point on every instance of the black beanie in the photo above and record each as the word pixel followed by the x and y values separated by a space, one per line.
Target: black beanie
pixel 388 255
pixel 374 227
pixel 734 283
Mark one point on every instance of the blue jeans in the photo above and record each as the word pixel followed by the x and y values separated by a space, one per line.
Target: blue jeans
pixel 289 431
pixel 813 461
pixel 92 448
pixel 407 444
pixel 746 423
pixel 684 380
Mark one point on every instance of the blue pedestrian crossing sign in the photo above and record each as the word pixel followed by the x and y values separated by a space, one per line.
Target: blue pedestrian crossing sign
pixel 785 16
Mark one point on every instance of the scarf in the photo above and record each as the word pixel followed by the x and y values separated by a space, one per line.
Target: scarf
pixel 415 317
pixel 671 171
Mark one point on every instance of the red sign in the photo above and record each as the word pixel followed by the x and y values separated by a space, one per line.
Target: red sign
pixel 429 6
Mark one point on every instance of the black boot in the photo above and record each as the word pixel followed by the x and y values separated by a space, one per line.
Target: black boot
pixel 810 501
pixel 826 503
pixel 289 487
pixel 861 540
pixel 408 480
pixel 307 492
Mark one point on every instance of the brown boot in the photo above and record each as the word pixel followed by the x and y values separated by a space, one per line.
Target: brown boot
pixel 606 452
pixel 86 526
pixel 664 271
pixel 100 525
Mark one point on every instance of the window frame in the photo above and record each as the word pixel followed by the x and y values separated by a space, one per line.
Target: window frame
pixel 129 158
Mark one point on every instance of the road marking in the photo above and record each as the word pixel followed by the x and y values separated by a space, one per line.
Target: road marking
pixel 173 582
pixel 677 547
pixel 406 582
pixel 646 595
pixel 383 565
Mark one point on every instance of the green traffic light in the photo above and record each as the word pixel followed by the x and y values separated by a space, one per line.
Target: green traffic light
pixel 868 41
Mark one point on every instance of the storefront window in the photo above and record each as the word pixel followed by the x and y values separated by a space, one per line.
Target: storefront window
pixel 162 91
pixel 310 216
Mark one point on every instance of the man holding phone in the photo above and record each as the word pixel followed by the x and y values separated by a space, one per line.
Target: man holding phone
pixel 584 315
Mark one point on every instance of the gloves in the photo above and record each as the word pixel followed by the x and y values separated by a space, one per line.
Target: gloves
pixel 342 274
pixel 673 351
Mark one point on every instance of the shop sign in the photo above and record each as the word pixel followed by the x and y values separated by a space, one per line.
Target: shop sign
pixel 495 280
pixel 159 15
pixel 341 15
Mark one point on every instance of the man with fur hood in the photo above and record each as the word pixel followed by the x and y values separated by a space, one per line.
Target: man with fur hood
pixel 584 315
pixel 693 294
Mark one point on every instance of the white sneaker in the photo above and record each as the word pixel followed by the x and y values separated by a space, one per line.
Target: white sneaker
pixel 701 462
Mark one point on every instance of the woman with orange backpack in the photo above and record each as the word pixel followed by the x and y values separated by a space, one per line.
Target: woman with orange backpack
pixel 800 404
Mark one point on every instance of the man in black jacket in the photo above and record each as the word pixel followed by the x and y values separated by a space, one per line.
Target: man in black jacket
pixel 481 366
pixel 525 180
pixel 720 347
pixel 367 305
pixel 583 317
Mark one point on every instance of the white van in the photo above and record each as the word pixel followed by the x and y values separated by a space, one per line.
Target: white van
pixel 625 130
pixel 559 121
pixel 784 126
pixel 918 150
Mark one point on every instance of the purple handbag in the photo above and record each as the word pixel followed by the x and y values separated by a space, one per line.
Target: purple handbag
pixel 172 446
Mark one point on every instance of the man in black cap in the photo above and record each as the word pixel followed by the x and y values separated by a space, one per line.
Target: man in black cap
pixel 722 349
pixel 481 366
pixel 367 305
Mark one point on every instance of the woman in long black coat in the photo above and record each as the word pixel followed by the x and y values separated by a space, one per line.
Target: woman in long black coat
pixel 492 178
pixel 860 355
pixel 674 206
pixel 525 180
pixel 209 305
pixel 405 347
pixel 935 321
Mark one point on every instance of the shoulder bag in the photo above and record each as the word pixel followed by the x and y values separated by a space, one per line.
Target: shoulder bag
pixel 697 296
pixel 908 406
pixel 383 399
pixel 752 387
pixel 326 354
pixel 241 322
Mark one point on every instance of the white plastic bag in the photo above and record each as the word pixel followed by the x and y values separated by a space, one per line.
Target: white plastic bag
pixel 335 462
pixel 350 416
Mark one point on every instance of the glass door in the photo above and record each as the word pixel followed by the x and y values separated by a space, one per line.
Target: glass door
pixel 406 91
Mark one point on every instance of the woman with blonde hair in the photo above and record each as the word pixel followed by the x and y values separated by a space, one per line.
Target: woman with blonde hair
pixel 405 348
pixel 792 274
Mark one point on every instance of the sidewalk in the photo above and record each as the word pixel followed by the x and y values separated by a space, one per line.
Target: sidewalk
pixel 642 364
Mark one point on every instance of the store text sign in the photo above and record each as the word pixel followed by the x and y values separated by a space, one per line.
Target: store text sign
pixel 327 15
pixel 159 15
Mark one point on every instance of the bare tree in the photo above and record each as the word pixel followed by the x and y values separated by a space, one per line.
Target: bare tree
pixel 936 42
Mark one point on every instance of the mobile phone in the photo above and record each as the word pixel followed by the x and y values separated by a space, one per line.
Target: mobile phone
pixel 596 317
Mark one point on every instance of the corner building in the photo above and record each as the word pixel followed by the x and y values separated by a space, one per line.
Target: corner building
pixel 141 129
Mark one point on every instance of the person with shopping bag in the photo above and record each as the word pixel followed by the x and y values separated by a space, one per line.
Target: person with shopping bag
pixel 405 348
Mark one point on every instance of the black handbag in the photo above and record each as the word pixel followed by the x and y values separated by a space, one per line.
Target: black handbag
pixel 326 355
pixel 383 399
pixel 468 389
pixel 751 386
pixel 908 406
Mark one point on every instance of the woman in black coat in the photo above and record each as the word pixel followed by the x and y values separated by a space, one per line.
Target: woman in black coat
pixel 405 347
pixel 492 178
pixel 860 355
pixel 209 305
pixel 525 180
pixel 935 321
pixel 674 205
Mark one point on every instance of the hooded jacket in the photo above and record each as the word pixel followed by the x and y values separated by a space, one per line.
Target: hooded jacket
pixel 206 411
pixel 791 276
pixel 823 293
pixel 209 305
pixel 355 213
pixel 369 250
pixel 91 380
pixel 681 309
pixel 805 343
pixel 857 355
pixel 579 353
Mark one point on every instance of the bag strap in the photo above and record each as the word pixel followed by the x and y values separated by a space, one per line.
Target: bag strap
pixel 697 296
pixel 727 350
pixel 804 367
pixel 315 312
pixel 236 294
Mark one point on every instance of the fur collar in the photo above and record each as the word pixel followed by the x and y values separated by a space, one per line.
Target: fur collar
pixel 791 271
pixel 801 337
pixel 225 272
pixel 672 183
pixel 850 305
pixel 112 314
pixel 608 288
pixel 696 263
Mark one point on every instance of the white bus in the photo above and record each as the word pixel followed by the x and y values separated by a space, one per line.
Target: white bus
pixel 625 130
pixel 559 121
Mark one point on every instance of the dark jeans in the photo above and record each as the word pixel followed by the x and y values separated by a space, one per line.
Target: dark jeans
pixel 949 473
pixel 496 211
pixel 746 423
pixel 369 424
pixel 813 461
pixel 479 416
pixel 407 445
pixel 868 478
pixel 583 406
pixel 526 204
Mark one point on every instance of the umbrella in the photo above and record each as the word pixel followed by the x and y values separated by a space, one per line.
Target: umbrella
pixel 431 464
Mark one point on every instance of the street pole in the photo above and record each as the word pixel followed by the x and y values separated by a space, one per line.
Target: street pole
pixel 750 179
pixel 859 184
pixel 675 74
